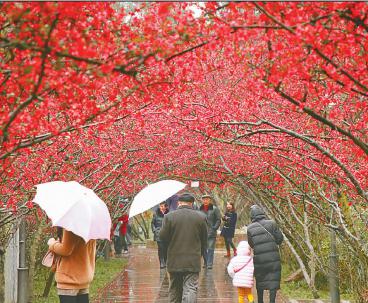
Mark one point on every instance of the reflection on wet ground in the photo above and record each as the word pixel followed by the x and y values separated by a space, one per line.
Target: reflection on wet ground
pixel 143 281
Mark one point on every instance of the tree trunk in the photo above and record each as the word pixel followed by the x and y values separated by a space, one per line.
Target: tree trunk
pixel 136 234
pixel 302 267
pixel 143 226
pixel 2 280
pixel 48 285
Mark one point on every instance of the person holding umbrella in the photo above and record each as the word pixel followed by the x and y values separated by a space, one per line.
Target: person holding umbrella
pixel 84 217
pixel 156 225
pixel 75 267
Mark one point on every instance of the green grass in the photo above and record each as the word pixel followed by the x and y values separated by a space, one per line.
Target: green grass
pixel 105 272
pixel 299 289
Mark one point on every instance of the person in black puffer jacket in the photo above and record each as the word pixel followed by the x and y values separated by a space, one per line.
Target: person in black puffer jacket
pixel 264 236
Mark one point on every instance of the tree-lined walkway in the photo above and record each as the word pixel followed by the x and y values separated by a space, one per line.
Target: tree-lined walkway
pixel 143 281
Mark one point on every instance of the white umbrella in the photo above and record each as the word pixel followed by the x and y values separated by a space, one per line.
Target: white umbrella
pixel 154 194
pixel 75 208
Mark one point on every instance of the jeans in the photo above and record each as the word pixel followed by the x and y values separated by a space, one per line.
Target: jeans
pixel 209 256
pixel 128 238
pixel 118 245
pixel 272 295
pixel 124 242
pixel 74 299
pixel 183 287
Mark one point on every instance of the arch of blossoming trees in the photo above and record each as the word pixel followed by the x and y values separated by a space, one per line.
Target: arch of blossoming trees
pixel 270 98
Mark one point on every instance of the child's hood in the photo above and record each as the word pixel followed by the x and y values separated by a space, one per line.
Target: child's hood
pixel 243 249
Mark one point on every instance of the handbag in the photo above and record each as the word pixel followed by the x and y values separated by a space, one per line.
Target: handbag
pixel 48 259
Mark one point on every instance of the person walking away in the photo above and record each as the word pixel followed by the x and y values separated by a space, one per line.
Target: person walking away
pixel 124 219
pixel 75 268
pixel 185 232
pixel 128 236
pixel 156 225
pixel 116 237
pixel 264 237
pixel 213 223
pixel 228 230
pixel 241 271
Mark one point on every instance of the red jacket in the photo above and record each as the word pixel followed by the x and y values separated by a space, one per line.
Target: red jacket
pixel 124 219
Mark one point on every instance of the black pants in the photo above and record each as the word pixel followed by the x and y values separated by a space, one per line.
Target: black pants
pixel 74 299
pixel 228 243
pixel 162 251
pixel 120 244
pixel 272 295
pixel 124 242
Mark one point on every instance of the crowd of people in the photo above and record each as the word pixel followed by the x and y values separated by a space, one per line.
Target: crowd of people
pixel 189 233
pixel 185 234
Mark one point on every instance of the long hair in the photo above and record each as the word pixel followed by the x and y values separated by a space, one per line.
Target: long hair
pixel 233 206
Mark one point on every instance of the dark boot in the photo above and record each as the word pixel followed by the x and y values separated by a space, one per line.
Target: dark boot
pixel 227 253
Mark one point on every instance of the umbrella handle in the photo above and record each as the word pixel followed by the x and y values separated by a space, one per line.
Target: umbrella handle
pixel 59 233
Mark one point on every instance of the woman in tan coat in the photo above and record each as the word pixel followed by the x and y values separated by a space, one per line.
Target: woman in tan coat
pixel 75 268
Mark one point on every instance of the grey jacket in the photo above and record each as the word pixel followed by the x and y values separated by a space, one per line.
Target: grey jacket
pixel 185 231
pixel 264 236
pixel 156 223
pixel 213 219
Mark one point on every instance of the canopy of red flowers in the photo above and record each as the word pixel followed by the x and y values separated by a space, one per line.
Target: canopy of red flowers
pixel 273 95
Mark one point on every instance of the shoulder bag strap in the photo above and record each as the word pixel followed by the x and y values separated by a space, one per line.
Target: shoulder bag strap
pixel 239 269
pixel 273 238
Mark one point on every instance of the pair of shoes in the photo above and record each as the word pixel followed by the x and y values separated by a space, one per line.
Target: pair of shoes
pixel 125 251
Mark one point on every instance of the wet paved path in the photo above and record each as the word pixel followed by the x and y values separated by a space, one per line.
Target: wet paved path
pixel 143 281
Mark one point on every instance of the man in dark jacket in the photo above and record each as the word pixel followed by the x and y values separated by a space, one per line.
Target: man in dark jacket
pixel 156 224
pixel 264 236
pixel 213 223
pixel 185 231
